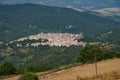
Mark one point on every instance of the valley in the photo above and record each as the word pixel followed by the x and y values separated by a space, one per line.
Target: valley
pixel 59 39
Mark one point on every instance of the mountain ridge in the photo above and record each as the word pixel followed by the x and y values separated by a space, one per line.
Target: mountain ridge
pixel 86 4
pixel 15 22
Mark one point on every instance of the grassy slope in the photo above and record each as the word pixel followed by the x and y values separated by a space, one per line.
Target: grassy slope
pixel 22 20
pixel 84 71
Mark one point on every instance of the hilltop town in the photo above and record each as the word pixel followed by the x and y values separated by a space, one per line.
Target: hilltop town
pixel 55 39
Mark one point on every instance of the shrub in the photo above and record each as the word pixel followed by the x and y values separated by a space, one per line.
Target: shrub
pixel 28 76
pixel 7 68
pixel 34 69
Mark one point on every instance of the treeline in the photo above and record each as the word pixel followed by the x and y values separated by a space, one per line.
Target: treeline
pixel 89 52
pixel 34 69
pixel 7 68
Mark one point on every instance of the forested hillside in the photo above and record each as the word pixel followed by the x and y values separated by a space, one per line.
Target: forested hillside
pixel 22 20
pixel 53 57
pixel 111 37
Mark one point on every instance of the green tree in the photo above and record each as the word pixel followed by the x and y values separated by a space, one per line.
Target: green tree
pixel 7 68
pixel 87 54
pixel 28 76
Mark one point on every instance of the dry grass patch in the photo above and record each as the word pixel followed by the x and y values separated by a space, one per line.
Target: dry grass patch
pixel 107 70
pixel 86 72
pixel 109 76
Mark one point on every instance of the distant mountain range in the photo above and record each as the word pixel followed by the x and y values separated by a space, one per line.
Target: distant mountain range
pixel 17 21
pixel 111 13
pixel 85 4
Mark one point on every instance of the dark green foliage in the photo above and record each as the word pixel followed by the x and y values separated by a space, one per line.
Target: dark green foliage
pixel 113 37
pixel 111 54
pixel 3 46
pixel 40 56
pixel 38 69
pixel 87 54
pixel 35 69
pixel 89 39
pixel 28 76
pixel 7 68
pixel 15 22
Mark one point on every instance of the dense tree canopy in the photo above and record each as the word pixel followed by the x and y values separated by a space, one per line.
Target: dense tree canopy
pixel 28 76
pixel 7 68
pixel 87 54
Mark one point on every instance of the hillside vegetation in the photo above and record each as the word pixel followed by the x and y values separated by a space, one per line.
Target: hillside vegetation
pixel 52 57
pixel 17 21
pixel 42 56
pixel 111 37
pixel 107 70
